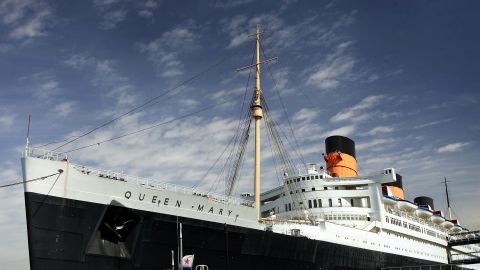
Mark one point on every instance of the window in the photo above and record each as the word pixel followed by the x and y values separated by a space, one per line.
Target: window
pixel 289 207
pixel 309 203
pixel 308 177
pixel 339 202
pixel 316 176
pixel 303 190
pixel 286 207
pixel 330 202
pixel 303 178
pixel 313 189
pixel 336 188
pixel 325 188
pixel 321 176
pixel 315 203
pixel 351 203
pixel 320 203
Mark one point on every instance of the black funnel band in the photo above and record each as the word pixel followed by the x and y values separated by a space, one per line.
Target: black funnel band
pixel 340 144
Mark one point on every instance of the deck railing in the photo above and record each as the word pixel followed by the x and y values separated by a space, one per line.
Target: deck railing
pixel 146 182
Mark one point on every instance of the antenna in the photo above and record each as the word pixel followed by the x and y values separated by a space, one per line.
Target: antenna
pixel 448 200
pixel 28 135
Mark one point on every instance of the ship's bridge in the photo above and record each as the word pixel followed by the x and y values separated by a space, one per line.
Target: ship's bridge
pixel 318 195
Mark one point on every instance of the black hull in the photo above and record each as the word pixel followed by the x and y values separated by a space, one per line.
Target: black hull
pixel 68 234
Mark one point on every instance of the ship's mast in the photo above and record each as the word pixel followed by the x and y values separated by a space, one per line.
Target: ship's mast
pixel 257 114
pixel 448 200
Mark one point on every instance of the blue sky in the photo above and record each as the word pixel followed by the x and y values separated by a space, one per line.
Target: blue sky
pixel 398 77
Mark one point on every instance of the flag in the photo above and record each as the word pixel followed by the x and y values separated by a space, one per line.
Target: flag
pixel 187 262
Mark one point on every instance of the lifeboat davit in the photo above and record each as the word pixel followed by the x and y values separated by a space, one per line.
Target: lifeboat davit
pixel 437 219
pixel 447 224
pixel 388 200
pixel 406 206
pixel 456 228
pixel 424 213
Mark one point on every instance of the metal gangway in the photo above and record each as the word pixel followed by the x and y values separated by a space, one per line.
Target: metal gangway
pixel 427 267
pixel 464 238
pixel 471 252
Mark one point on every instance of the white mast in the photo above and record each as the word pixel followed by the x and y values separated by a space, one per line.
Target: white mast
pixel 257 114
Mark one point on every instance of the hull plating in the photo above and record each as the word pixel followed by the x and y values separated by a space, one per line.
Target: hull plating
pixel 69 234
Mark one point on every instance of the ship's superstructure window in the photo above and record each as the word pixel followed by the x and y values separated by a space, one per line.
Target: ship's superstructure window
pixel 303 190
pixel 351 203
pixel 309 203
pixel 320 203
pixel 315 203
pixel 303 178
pixel 313 189
pixel 330 204
pixel 339 202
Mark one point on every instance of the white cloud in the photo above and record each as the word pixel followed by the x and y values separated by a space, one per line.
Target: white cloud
pixel 357 112
pixel 64 109
pixel 112 18
pixel 163 51
pixel 105 76
pixel 453 147
pixel 343 131
pixel 230 3
pixel 305 115
pixel 241 26
pixel 433 123
pixel 6 120
pixel 336 67
pixel 372 143
pixel 378 130
pixel 26 19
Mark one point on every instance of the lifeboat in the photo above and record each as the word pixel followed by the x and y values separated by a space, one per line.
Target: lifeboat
pixel 456 228
pixel 388 200
pixel 423 212
pixel 437 219
pixel 447 224
pixel 406 206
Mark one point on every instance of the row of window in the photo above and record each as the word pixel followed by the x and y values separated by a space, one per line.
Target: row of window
pixel 303 178
pixel 413 227
pixel 317 203
pixel 313 189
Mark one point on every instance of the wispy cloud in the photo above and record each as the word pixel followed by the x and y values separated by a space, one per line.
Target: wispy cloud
pixel 343 131
pixel 64 108
pixel 372 143
pixel 452 147
pixel 6 120
pixel 26 19
pixel 105 76
pixel 230 3
pixel 336 67
pixel 163 51
pixel 306 115
pixel 433 123
pixel 147 8
pixel 357 112
pixel 378 130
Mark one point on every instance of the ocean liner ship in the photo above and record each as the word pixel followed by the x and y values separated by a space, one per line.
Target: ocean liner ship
pixel 325 217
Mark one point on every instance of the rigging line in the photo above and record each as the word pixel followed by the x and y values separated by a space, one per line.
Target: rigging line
pixel 244 122
pixel 32 180
pixel 47 144
pixel 185 82
pixel 283 155
pixel 151 127
pixel 283 107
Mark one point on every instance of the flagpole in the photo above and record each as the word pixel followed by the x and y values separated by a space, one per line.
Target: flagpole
pixel 180 250
pixel 173 260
